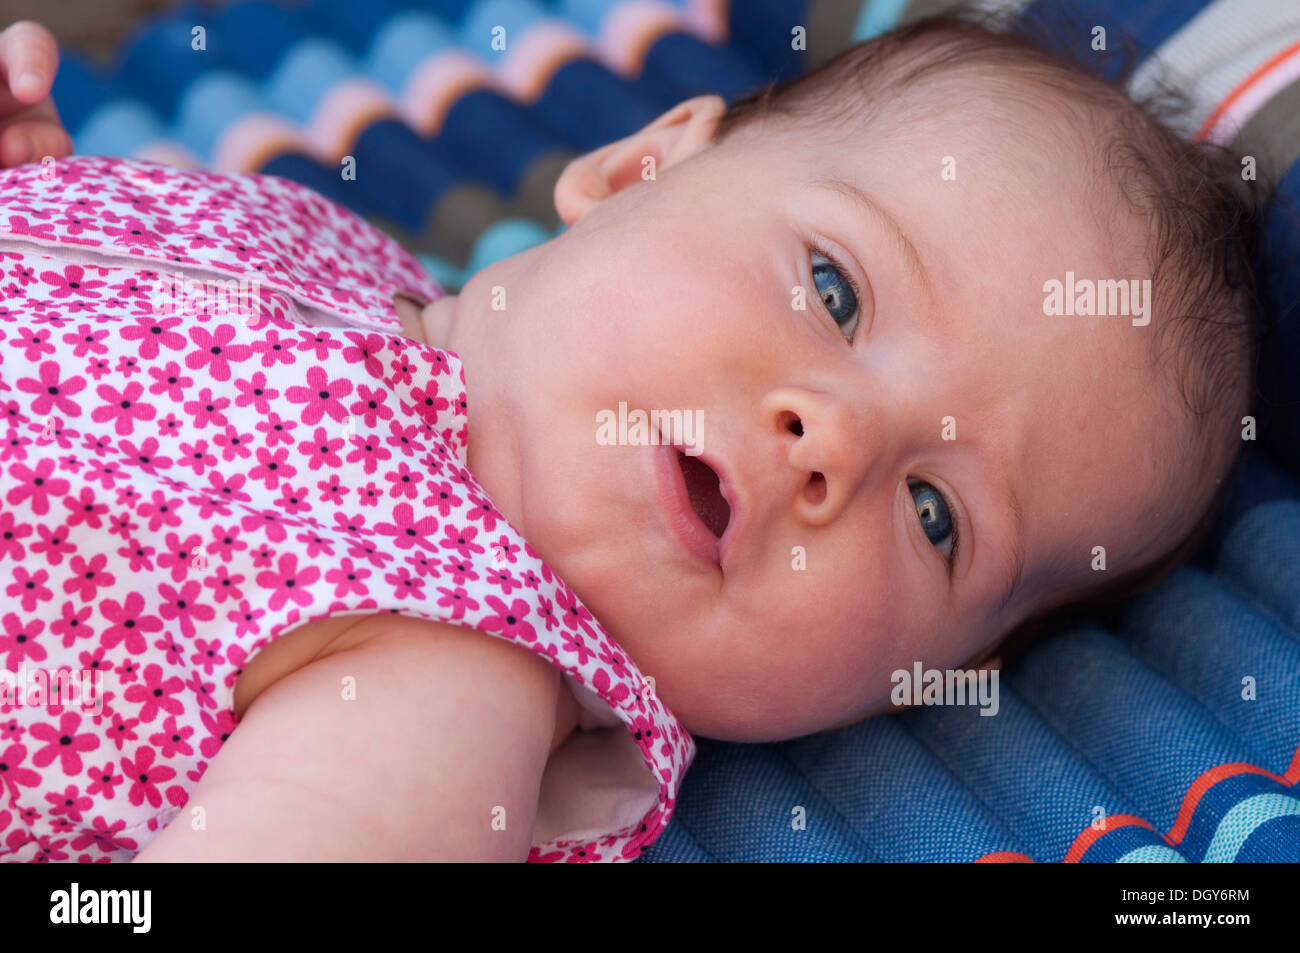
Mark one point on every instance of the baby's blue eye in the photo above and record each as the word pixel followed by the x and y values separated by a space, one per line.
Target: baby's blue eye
pixel 936 519
pixel 837 293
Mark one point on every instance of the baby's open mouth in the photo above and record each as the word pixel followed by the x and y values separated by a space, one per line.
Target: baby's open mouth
pixel 705 491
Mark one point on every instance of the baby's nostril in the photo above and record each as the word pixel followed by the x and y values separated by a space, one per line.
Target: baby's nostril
pixel 815 491
pixel 792 423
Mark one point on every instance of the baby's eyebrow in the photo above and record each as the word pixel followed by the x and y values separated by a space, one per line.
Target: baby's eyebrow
pixel 873 209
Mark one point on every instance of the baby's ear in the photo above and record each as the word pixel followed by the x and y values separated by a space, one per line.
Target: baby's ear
pixel 681 132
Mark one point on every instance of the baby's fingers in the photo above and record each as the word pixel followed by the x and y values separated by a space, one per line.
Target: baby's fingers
pixel 31 140
pixel 29 59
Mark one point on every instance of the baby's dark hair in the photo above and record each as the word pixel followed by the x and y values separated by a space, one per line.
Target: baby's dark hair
pixel 1205 228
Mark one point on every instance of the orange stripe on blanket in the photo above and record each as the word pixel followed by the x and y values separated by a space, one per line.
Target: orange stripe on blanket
pixel 1004 857
pixel 1091 834
pixel 1242 88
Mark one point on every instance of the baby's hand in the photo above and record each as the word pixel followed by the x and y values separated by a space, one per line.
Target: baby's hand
pixel 29 124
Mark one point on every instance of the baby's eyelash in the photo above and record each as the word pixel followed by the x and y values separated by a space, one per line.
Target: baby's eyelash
pixel 815 246
pixel 956 540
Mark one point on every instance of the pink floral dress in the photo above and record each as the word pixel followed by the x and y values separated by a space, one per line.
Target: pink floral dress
pixel 214 433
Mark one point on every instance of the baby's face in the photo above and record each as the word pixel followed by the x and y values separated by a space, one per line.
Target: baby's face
pixel 851 437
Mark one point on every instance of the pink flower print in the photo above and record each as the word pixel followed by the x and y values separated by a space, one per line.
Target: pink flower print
pixel 38 484
pixel 273 348
pixel 234 444
pixel 23 275
pixel 509 620
pixel 172 740
pixel 409 531
pixel 155 694
pixel 169 426
pixel 443 497
pixel 123 730
pixel 215 351
pixel 546 611
pixel 169 381
pixel 196 456
pixel 33 344
pixel 180 554
pixel 145 776
pixel 461 570
pixel 184 605
pixel 428 403
pixel 73 281
pixel 207 654
pixel 405 584
pixel 571 641
pixel 208 409
pixel 612 693
pixel 72 625
pixel 18 642
pixel 256 391
pixel 146 455
pixel 122 407
pixel 277 429
pixel 370 405
pixel 614 659
pixel 130 623
pixel 103 779
pixel 348 578
pixel 13 774
pixel 289 582
pixel 461 539
pixel 223 585
pixel 30 587
pixel 71 802
pixel 321 396
pixel 53 543
pixel 85 341
pixel 367 349
pixel 406 481
pixel 52 393
pixel 64 743
pixel 216 729
pixel 293 500
pixel 160 510
pixel 320 343
pixel 483 509
pixel 503 579
pixel 571 611
pixel 19 226
pixel 458 600
pixel 85 508
pixel 130 287
pixel 11 536
pixel 133 233
pixel 90 576
pixel 153 332
pixel 106 837
pixel 245 621
pixel 272 466
pixel 323 450
pixel 138 555
pixel 369 452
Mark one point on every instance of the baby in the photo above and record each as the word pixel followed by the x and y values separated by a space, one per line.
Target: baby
pixel 905 450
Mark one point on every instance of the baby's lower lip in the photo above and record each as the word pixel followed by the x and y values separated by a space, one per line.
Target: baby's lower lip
pixel 683 524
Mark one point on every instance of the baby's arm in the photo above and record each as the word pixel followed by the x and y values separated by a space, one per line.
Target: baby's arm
pixel 29 124
pixel 448 726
